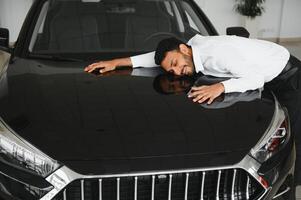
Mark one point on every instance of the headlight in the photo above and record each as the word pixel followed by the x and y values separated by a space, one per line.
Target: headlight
pixel 274 138
pixel 17 153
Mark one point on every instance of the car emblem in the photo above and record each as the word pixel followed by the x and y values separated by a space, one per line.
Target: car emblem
pixel 162 176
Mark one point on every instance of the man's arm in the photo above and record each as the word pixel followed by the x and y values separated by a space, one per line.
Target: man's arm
pixel 247 76
pixel 247 79
pixel 143 60
pixel 109 65
pixel 243 84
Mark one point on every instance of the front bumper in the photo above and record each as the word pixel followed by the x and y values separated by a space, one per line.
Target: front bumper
pixel 62 178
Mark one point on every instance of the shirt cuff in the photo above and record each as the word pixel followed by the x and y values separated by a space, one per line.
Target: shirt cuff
pixel 135 61
pixel 243 84
pixel 228 86
pixel 144 60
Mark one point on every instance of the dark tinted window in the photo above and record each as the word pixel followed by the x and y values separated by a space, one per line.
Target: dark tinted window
pixel 85 26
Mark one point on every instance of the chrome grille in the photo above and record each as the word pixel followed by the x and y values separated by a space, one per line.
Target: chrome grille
pixel 227 184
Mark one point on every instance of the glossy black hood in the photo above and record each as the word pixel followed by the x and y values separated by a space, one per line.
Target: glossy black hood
pixel 119 123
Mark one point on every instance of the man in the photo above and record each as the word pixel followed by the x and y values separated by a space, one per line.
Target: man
pixel 249 63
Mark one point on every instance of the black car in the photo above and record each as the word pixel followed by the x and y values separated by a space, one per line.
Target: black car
pixel 66 134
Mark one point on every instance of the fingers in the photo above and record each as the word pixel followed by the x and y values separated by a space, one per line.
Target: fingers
pixel 103 66
pixel 93 66
pixel 89 67
pixel 201 98
pixel 194 91
pixel 211 99
pixel 105 69
pixel 195 88
pixel 204 97
pixel 205 93
pixel 197 94
pixel 202 94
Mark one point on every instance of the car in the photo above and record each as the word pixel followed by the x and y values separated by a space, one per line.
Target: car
pixel 129 134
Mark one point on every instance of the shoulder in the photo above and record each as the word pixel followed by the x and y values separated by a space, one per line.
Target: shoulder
pixel 195 39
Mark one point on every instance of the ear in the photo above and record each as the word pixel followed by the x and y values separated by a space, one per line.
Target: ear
pixel 184 49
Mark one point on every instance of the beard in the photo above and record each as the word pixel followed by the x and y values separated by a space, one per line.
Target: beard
pixel 190 65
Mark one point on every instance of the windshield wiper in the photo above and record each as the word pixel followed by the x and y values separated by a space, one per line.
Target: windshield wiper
pixel 55 57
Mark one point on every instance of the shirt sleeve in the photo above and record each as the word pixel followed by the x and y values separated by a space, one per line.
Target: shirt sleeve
pixel 144 60
pixel 247 79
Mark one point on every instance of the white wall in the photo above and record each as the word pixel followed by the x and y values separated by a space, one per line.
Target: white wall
pixel 291 19
pixel 12 14
pixel 280 19
pixel 269 24
pixel 221 13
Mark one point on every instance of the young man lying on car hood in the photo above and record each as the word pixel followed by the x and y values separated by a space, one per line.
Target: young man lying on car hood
pixel 249 63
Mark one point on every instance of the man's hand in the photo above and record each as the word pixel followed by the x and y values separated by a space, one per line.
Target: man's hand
pixel 102 66
pixel 202 93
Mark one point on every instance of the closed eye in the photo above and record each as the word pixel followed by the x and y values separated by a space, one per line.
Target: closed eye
pixel 175 64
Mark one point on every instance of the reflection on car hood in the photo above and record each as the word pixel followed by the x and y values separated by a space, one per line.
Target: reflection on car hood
pixel 119 123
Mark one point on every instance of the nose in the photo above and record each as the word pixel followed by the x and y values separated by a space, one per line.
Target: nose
pixel 177 70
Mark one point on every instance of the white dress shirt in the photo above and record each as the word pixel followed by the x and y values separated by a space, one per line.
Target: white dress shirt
pixel 248 62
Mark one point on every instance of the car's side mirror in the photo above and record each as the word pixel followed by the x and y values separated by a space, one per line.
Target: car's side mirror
pixel 4 38
pixel 238 31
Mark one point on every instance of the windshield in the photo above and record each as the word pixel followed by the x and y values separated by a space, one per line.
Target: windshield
pixel 90 26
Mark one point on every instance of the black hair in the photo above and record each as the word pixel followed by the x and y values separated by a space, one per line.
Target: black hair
pixel 165 45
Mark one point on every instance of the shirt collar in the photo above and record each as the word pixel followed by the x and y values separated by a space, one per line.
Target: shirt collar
pixel 196 55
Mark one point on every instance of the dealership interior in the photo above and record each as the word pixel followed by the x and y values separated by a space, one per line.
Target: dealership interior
pixel 278 21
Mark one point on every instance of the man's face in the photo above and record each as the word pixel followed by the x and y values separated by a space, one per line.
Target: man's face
pixel 178 63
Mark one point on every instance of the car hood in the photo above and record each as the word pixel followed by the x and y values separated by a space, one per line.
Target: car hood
pixel 119 123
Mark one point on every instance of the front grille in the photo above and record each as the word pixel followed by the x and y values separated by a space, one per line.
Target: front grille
pixel 227 184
